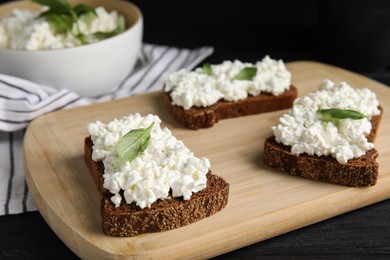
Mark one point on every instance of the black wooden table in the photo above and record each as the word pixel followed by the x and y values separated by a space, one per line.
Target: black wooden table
pixel 288 30
pixel 363 233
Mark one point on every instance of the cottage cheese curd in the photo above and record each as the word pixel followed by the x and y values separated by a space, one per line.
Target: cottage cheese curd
pixel 303 130
pixel 197 88
pixel 167 164
pixel 23 30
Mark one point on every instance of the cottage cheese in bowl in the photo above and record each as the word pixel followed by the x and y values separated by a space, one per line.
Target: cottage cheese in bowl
pixel 25 30
pixel 38 54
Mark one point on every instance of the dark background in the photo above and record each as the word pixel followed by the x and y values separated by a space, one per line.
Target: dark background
pixel 354 35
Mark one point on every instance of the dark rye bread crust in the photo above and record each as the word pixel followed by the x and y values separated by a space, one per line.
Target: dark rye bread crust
pixel 129 220
pixel 362 171
pixel 357 172
pixel 205 117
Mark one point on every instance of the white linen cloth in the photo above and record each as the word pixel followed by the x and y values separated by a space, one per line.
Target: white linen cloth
pixel 21 101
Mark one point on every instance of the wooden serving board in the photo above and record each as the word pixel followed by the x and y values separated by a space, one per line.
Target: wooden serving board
pixel 263 202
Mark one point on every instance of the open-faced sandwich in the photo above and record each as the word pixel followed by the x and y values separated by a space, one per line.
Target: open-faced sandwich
pixel 328 136
pixel 147 179
pixel 200 98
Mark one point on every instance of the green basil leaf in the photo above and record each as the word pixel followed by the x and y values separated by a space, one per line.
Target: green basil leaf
pixel 133 143
pixel 62 23
pixel 246 73
pixel 58 6
pixel 341 113
pixel 121 24
pixel 103 35
pixel 81 9
pixel 82 38
pixel 207 69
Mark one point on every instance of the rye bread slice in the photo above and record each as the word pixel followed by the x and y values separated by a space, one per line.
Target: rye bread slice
pixel 129 220
pixel 205 117
pixel 357 172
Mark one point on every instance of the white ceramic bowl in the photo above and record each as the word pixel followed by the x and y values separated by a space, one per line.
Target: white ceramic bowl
pixel 88 70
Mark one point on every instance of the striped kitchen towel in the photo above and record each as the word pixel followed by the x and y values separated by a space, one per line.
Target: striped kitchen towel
pixel 21 101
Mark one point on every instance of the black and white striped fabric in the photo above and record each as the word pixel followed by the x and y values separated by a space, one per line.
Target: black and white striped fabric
pixel 22 101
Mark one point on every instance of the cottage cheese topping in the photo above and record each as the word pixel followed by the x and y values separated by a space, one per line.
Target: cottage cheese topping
pixel 302 129
pixel 196 88
pixel 22 30
pixel 167 164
